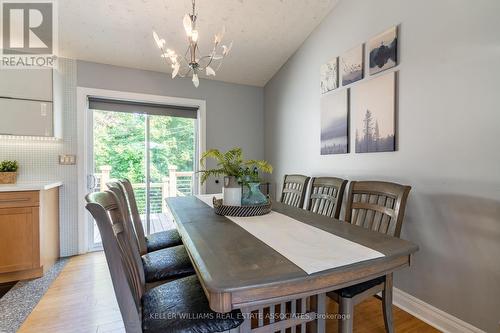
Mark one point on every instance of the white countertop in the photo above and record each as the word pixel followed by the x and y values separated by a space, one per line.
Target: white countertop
pixel 31 186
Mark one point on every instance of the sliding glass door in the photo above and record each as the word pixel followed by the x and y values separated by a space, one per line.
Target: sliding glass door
pixel 156 152
pixel 171 165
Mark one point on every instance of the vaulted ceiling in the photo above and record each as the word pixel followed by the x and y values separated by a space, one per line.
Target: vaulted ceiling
pixel 119 32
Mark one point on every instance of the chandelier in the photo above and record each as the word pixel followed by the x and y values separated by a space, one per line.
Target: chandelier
pixel 191 62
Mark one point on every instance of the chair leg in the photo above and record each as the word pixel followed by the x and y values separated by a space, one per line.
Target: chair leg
pixel 387 304
pixel 346 311
pixel 246 326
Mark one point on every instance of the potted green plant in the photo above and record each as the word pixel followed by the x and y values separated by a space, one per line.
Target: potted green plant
pixel 234 169
pixel 8 172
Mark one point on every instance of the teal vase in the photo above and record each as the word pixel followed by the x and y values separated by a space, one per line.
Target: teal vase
pixel 253 196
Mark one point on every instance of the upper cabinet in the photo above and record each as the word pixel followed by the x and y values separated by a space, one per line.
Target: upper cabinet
pixel 32 84
pixel 30 103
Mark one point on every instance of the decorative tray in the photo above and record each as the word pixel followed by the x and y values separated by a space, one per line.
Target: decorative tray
pixel 241 211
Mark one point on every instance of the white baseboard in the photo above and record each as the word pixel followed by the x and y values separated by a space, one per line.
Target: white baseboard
pixel 439 319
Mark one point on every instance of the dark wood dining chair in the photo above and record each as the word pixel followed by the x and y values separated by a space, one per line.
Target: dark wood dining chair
pixel 294 190
pixel 155 241
pixel 380 207
pixel 326 196
pixel 164 264
pixel 159 309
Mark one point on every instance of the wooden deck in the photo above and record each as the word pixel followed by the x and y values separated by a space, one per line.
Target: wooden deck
pixel 159 222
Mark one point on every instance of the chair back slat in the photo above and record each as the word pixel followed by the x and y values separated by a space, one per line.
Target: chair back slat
pixel 294 190
pixel 378 206
pixel 134 213
pixel 118 188
pixel 122 256
pixel 326 196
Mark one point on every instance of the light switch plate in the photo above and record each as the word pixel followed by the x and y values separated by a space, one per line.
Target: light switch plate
pixel 67 159
pixel 43 110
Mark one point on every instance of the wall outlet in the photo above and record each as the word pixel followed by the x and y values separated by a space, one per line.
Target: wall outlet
pixel 67 159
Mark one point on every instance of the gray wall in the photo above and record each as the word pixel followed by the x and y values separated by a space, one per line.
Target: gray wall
pixel 448 139
pixel 234 112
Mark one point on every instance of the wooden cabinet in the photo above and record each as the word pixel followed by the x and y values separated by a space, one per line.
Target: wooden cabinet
pixel 29 233
pixel 19 246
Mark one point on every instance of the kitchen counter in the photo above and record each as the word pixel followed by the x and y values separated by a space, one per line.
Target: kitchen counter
pixel 29 186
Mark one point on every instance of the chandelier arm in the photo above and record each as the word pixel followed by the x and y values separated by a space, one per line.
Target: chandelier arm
pixel 186 73
pixel 185 64
pixel 215 47
pixel 211 56
pixel 186 61
pixel 209 62
pixel 183 58
pixel 205 57
pixel 219 66
pixel 163 54
pixel 214 50
pixel 196 48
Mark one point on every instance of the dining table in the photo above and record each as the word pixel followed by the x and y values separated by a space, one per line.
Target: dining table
pixel 277 268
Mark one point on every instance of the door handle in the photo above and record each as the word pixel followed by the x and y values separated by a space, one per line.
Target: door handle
pixel 91 182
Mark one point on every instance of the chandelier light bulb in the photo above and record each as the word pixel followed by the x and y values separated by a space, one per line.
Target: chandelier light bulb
pixel 188 25
pixel 195 80
pixel 209 71
pixel 220 35
pixel 175 71
pixel 159 42
pixel 194 36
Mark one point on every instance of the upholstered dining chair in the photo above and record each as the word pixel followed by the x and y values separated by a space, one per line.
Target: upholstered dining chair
pixel 294 190
pixel 159 309
pixel 326 196
pixel 380 207
pixel 165 264
pixel 155 241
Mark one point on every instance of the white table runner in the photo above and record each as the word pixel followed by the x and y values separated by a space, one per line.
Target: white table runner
pixel 312 249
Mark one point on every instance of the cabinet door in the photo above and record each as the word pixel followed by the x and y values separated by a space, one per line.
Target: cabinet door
pixel 31 118
pixel 33 84
pixel 19 239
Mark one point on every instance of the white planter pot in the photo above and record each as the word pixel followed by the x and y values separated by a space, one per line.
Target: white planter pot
pixel 231 192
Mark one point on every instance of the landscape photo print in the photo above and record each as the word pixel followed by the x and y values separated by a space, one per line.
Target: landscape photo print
pixel 329 76
pixel 352 65
pixel 335 122
pixel 383 51
pixel 373 104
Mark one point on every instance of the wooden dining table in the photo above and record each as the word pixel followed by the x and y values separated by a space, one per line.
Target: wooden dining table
pixel 239 271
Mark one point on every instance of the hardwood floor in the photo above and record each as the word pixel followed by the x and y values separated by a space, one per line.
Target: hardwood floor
pixel 82 299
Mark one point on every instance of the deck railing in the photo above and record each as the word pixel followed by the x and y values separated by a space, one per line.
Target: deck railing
pixel 178 183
